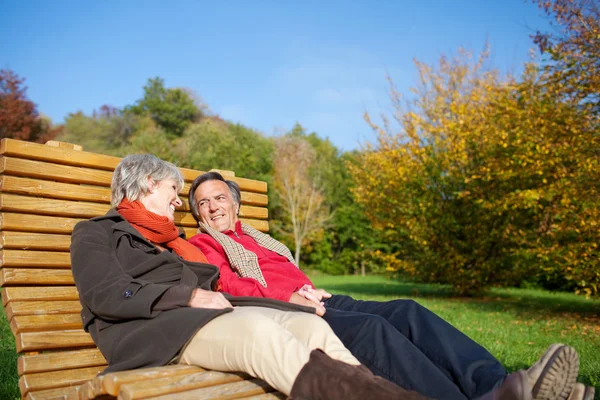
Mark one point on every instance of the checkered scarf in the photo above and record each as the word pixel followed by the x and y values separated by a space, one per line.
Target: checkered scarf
pixel 242 261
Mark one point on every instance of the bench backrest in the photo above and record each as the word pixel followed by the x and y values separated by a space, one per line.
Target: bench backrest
pixel 44 191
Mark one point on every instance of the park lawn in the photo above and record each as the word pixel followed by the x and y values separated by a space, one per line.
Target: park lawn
pixel 516 325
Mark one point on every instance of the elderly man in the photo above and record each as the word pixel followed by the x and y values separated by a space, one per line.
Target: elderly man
pixel 399 340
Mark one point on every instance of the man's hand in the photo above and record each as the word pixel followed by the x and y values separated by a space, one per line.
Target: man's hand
pixel 206 299
pixel 316 295
pixel 297 299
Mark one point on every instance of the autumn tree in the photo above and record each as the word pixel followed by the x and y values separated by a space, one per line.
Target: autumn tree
pixel 573 47
pixel 172 109
pixel 485 181
pixel 305 213
pixel 19 118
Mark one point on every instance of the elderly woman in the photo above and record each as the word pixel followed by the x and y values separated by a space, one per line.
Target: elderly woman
pixel 149 298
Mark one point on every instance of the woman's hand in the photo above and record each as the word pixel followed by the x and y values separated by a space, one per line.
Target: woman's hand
pixel 206 299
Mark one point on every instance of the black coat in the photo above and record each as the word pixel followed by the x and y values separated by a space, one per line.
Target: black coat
pixel 120 276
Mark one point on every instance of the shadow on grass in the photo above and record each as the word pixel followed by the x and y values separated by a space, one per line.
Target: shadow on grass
pixel 518 300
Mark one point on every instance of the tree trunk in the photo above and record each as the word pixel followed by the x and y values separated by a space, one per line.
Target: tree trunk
pixel 297 254
pixel 362 268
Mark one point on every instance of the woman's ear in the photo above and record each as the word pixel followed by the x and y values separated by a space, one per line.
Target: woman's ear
pixel 151 185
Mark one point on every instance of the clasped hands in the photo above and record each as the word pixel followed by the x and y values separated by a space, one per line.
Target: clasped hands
pixel 307 296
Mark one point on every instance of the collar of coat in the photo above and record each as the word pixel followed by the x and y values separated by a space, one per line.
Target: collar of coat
pixel 121 224
pixel 244 262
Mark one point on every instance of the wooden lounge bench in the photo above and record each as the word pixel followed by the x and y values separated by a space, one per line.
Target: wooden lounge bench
pixel 44 191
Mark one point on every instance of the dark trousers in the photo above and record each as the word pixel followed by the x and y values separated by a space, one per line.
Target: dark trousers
pixel 406 343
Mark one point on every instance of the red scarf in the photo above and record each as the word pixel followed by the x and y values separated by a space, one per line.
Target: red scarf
pixel 159 229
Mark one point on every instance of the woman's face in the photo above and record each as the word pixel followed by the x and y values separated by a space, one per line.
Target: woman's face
pixel 162 198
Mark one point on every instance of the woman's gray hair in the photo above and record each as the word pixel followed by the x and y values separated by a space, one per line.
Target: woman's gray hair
pixel 130 179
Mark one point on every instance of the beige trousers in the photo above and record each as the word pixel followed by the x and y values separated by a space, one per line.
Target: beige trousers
pixel 269 344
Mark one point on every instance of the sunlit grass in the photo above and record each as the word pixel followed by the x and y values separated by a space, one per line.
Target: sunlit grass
pixel 515 325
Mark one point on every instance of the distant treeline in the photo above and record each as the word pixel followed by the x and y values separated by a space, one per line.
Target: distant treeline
pixel 479 180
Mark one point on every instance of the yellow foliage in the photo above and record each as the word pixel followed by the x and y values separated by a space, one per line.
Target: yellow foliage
pixel 487 180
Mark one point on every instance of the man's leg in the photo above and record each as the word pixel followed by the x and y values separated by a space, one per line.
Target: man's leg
pixel 388 353
pixel 468 364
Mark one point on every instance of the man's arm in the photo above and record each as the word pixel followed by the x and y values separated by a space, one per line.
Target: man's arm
pixel 230 282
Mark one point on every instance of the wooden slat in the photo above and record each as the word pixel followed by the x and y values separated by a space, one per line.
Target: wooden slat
pixel 34 241
pixel 64 145
pixel 113 381
pixel 251 185
pixel 60 360
pixel 267 396
pixel 34 259
pixel 55 190
pixel 56 172
pixel 233 390
pixel 14 308
pixel 33 276
pixel 66 208
pixel 64 393
pixel 54 379
pixel 36 151
pixel 33 293
pixel 58 208
pixel 48 322
pixel 34 341
pixel 255 199
pixel 175 384
pixel 37 223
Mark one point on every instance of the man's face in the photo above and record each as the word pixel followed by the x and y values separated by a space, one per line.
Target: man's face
pixel 215 205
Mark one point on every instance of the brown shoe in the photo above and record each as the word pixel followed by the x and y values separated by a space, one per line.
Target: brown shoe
pixel 553 376
pixel 324 378
pixel 582 392
pixel 515 387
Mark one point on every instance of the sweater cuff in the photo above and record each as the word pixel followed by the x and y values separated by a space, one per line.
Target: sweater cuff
pixel 175 297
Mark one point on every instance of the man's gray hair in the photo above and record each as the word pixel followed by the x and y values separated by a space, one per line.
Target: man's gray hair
pixel 236 195
pixel 130 179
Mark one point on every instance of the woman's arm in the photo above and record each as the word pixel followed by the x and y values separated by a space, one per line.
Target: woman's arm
pixel 103 285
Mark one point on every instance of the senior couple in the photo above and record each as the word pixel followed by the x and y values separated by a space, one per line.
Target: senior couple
pixel 231 299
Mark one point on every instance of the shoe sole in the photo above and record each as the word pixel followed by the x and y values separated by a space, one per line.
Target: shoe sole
pixel 559 374
pixel 589 393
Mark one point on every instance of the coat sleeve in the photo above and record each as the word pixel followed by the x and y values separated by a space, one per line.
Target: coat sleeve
pixel 103 285
pixel 230 282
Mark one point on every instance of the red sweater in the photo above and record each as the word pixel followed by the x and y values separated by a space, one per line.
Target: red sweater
pixel 283 278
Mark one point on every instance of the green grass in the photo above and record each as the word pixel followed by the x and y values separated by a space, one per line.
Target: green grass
pixel 515 325
pixel 9 387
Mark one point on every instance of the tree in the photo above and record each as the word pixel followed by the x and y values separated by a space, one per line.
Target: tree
pixel 487 181
pixel 301 196
pixel 172 109
pixel 574 49
pixel 19 118
pixel 108 130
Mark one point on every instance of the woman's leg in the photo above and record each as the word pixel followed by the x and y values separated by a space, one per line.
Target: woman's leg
pixel 248 341
pixel 312 331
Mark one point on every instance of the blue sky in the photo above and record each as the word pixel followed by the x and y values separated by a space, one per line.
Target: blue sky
pixel 266 64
